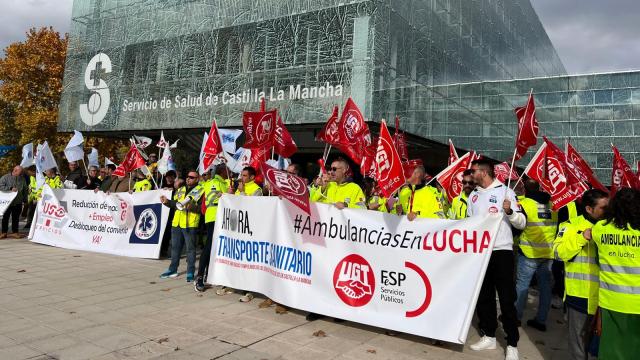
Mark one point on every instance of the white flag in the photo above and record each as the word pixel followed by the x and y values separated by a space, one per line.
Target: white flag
pixel 142 141
pixel 27 156
pixel 74 153
pixel 93 158
pixel 242 158
pixel 175 144
pixel 108 162
pixel 166 162
pixel 201 168
pixel 45 159
pixel 162 143
pixel 229 137
pixel 76 139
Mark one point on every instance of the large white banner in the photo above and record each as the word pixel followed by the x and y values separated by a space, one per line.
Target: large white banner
pixel 421 277
pixel 120 224
pixel 5 200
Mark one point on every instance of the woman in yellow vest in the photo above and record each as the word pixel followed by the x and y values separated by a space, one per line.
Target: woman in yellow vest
pixel 618 240
pixel 373 201
pixel 581 269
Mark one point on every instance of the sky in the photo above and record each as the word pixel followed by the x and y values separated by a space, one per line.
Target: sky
pixel 589 35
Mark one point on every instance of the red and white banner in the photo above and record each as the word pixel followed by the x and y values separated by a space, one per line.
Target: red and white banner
pixel 120 223
pixel 548 167
pixel 389 172
pixel 504 173
pixel 451 177
pixel 621 176
pixel 292 188
pixel 259 128
pixel 527 127
pixel 363 266
pixel 582 169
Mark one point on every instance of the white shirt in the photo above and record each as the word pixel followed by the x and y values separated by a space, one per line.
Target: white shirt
pixel 489 200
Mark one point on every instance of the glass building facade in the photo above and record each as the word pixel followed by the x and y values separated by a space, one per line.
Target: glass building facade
pixel 447 67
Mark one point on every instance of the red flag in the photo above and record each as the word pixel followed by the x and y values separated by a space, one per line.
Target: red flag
pixel 290 187
pixel 355 138
pixel 400 141
pixel 259 128
pixel 389 172
pixel 582 169
pixel 527 127
pixel 283 142
pixel 258 156
pixel 367 163
pixel 621 176
pixel 504 172
pixel 548 167
pixel 132 160
pixel 638 173
pixel 451 177
pixel 119 171
pixel 213 145
pixel 409 166
pixel 453 154
pixel 330 133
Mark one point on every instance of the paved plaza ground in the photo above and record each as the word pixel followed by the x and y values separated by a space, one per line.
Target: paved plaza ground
pixel 63 304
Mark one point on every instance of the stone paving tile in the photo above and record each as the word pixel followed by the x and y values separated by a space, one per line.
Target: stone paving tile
pixel 127 312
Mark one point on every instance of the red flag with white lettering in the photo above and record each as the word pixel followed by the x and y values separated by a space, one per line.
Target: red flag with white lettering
pixel 582 169
pixel 527 127
pixel 330 133
pixel 451 177
pixel 213 145
pixel 132 160
pixel 292 188
pixel 389 172
pixel 548 167
pixel 622 176
pixel 503 172
pixel 355 138
pixel 119 171
pixel 259 128
pixel 283 142
pixel 453 154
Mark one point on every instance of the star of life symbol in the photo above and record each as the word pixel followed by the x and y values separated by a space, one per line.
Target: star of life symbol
pixel 95 110
pixel 147 225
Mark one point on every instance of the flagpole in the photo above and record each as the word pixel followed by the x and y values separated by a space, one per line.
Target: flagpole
pixel 129 181
pixel 85 166
pixel 152 178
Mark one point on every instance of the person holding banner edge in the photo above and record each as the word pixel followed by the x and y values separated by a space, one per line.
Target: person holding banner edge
pixel 184 225
pixel 492 196
pixel 15 182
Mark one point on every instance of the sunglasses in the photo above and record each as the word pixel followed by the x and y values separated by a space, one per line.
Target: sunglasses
pixel 334 169
pixel 467 182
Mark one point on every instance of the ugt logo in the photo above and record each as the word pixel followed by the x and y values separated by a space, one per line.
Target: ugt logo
pixel 94 111
pixel 354 281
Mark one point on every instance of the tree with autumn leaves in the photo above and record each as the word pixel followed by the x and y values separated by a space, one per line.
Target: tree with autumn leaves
pixel 31 74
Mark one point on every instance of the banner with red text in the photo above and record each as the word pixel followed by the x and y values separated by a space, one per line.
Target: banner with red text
pixel 120 223
pixel 420 277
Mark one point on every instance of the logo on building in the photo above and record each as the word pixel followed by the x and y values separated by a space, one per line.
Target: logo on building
pixel 147 226
pixel 94 111
pixel 354 281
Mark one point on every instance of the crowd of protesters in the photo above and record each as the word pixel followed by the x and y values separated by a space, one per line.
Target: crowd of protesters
pixel 593 244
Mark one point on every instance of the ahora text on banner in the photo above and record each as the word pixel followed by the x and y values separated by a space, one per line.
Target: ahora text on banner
pixel 121 224
pixel 421 277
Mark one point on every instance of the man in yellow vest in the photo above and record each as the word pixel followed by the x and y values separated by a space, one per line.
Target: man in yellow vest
pixel 458 208
pixel 618 240
pixel 420 200
pixel 335 187
pixel 536 252
pixel 246 187
pixel 213 190
pixel 52 179
pixel 142 183
pixel 185 224
pixel 581 269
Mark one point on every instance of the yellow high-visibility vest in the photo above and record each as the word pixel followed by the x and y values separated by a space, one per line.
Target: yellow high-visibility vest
pixel 424 202
pixel 250 189
pixel 619 258
pixel 190 216
pixel 213 189
pixel 536 240
pixel 580 261
pixel 458 208
pixel 348 192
